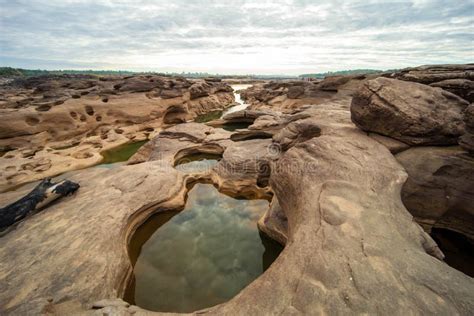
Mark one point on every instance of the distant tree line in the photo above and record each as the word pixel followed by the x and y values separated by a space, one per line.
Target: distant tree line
pixel 19 72
pixel 14 72
pixel 322 75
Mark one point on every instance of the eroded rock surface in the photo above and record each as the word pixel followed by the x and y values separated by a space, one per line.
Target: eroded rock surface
pixel 284 95
pixel 351 246
pixel 410 112
pixel 467 140
pixel 68 120
pixel 76 249
pixel 457 79
pixel 439 190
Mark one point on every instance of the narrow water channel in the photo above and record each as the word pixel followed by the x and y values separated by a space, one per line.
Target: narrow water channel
pixel 201 256
pixel 241 103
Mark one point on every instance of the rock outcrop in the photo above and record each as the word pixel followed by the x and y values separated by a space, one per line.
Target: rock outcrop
pixel 351 246
pixel 53 124
pixel 439 190
pixel 410 112
pixel 457 79
pixel 287 95
pixel 467 140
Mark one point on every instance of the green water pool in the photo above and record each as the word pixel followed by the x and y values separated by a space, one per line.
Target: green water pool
pixel 121 153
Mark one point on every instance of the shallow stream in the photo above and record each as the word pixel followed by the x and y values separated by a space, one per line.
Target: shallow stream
pixel 241 103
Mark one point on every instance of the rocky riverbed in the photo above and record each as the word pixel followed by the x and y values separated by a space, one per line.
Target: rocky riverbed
pixel 351 165
pixel 54 124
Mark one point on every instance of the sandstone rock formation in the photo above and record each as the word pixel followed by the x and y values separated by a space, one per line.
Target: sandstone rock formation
pixel 351 246
pixel 457 79
pixel 347 248
pixel 439 190
pixel 283 95
pixel 410 112
pixel 467 140
pixel 52 124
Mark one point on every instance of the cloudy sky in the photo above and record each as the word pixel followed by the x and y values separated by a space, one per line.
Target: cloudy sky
pixel 267 37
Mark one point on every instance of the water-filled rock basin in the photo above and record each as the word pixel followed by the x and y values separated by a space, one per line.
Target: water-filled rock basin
pixel 121 153
pixel 197 162
pixel 201 256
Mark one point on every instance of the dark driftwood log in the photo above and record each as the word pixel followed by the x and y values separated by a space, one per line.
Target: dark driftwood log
pixel 43 194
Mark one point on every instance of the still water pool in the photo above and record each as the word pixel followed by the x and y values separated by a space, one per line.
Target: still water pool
pixel 197 162
pixel 121 153
pixel 201 256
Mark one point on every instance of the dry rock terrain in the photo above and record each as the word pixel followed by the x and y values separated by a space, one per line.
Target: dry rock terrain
pixel 346 203
pixel 53 124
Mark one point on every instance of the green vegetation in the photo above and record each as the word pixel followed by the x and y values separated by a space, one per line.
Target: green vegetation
pixel 19 72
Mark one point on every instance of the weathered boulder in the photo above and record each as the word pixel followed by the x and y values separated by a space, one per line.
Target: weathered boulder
pixel 174 143
pixel 332 83
pixel 457 79
pixel 220 86
pixel 429 74
pixel 410 112
pixel 176 114
pixel 200 89
pixel 243 116
pixel 261 93
pixel 245 166
pixel 461 87
pixel 171 93
pixel 296 132
pixel 439 191
pixel 274 223
pixel 295 92
pixel 393 145
pixel 137 84
pixel 467 140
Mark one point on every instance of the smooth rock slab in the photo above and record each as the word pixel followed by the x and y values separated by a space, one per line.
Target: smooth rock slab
pixel 413 113
pixel 439 191
pixel 76 249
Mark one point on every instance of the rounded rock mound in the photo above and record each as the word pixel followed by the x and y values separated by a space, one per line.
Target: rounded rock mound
pixel 413 113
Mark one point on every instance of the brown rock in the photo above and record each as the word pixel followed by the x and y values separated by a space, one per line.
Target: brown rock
pixel 435 73
pixel 393 145
pixel 439 191
pixel 410 112
pixel 54 117
pixel 176 114
pixel 296 132
pixel 295 92
pixel 461 87
pixel 137 85
pixel 333 82
pixel 171 93
pixel 199 89
pixel 274 223
pixel 467 140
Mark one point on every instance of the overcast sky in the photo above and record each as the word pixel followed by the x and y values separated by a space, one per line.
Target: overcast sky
pixel 266 37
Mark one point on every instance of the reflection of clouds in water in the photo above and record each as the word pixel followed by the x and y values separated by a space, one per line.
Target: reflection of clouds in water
pixel 197 166
pixel 203 256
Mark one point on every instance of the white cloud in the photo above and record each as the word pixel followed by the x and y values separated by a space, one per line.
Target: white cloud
pixel 235 37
